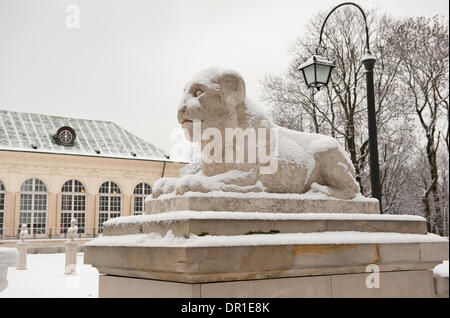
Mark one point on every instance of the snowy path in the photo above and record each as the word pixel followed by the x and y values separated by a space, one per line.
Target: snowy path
pixel 45 277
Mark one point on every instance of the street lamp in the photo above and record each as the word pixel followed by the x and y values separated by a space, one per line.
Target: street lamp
pixel 317 71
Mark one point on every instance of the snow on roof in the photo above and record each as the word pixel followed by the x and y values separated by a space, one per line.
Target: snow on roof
pixel 34 133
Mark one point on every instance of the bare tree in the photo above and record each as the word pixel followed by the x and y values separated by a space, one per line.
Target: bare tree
pixel 411 93
pixel 423 47
pixel 339 110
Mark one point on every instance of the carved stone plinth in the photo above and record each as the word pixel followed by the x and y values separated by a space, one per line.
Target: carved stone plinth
pixel 71 257
pixel 394 284
pixel 22 248
pixel 205 253
pixel 260 202
pixel 183 223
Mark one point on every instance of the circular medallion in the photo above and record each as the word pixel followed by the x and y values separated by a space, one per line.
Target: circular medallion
pixel 66 136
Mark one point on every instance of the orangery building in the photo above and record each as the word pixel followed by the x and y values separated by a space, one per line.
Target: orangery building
pixel 53 169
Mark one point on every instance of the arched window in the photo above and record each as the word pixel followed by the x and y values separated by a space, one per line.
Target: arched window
pixel 110 204
pixel 2 206
pixel 140 192
pixel 33 206
pixel 73 205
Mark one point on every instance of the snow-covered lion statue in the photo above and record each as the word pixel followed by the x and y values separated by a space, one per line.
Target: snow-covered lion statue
pixel 299 162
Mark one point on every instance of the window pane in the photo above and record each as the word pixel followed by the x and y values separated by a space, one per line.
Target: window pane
pixel 25 218
pixel 141 191
pixel 109 201
pixel 39 186
pixel 104 206
pixel 33 206
pixel 67 187
pixel 1 222
pixel 65 221
pixel 115 204
pixel 40 202
pixel 104 188
pixel 147 189
pixel 79 203
pixel 138 204
pixel 78 186
pixel 26 202
pixel 114 215
pixel 102 217
pixel 2 201
pixel 27 185
pixel 66 202
pixel 114 188
pixel 39 222
pixel 80 217
pixel 138 189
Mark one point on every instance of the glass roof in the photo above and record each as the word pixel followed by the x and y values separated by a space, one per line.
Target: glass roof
pixel 34 132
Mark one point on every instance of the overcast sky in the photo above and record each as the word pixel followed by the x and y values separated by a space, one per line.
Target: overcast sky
pixel 129 59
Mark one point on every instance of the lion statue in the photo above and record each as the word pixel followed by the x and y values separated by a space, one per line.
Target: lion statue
pixel 299 162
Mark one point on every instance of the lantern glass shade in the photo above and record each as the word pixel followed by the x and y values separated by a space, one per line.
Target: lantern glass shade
pixel 317 71
pixel 309 74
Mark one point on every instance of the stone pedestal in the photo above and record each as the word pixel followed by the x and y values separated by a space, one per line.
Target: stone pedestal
pixel 394 284
pixel 260 202
pixel 71 257
pixel 441 286
pixel 71 248
pixel 22 248
pixel 301 252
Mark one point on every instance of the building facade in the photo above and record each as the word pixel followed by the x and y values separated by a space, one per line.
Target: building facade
pixel 53 169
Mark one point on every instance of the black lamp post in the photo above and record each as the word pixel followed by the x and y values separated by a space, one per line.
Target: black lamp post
pixel 317 71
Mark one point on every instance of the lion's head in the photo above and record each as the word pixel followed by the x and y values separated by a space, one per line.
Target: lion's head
pixel 211 97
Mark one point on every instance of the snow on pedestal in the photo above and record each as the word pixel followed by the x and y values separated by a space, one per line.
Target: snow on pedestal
pixel 8 257
pixel 71 249
pixel 22 247
pixel 441 284
pixel 441 270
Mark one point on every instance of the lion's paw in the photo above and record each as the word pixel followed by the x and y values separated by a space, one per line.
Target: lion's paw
pixel 318 188
pixel 163 186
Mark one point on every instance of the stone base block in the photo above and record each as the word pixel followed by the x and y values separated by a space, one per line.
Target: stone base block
pixel 263 203
pixel 401 284
pixel 264 245
pixel 71 257
pixel 22 248
pixel 201 264
pixel 240 223
pixel 441 286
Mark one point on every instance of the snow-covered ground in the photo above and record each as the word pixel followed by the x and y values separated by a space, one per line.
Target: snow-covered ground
pixel 44 277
